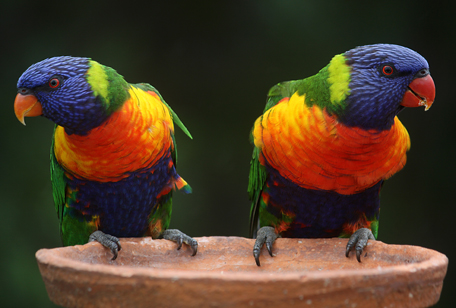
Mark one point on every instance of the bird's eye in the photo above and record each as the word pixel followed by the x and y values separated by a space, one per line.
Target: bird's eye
pixel 423 72
pixel 54 83
pixel 387 70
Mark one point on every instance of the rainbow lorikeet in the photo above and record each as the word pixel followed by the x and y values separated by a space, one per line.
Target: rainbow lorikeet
pixel 325 144
pixel 113 153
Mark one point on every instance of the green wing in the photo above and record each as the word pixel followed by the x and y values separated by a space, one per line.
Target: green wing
pixel 58 184
pixel 258 174
pixel 74 228
pixel 160 217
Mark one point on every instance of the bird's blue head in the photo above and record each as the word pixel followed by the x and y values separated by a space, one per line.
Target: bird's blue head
pixel 75 93
pixel 384 79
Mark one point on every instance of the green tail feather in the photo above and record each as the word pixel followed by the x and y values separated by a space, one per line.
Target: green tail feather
pixel 58 183
pixel 257 175
pixel 177 120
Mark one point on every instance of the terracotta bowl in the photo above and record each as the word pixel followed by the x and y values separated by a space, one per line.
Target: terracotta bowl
pixel 304 272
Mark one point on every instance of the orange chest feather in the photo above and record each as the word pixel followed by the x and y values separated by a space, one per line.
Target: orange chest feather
pixel 310 148
pixel 134 137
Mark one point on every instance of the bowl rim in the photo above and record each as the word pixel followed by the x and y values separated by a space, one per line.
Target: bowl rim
pixel 49 257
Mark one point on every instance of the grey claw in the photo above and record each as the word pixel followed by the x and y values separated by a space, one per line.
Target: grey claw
pixel 264 235
pixel 107 241
pixel 269 247
pixel 358 241
pixel 179 242
pixel 180 237
pixel 257 258
pixel 347 250
pixel 358 255
pixel 194 246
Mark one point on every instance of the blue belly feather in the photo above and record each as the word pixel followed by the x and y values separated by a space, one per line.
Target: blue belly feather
pixel 318 213
pixel 124 207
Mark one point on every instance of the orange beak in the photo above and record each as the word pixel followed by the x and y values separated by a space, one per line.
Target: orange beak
pixel 26 106
pixel 421 92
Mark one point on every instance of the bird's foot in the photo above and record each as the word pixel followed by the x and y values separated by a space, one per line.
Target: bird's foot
pixel 179 237
pixel 107 241
pixel 358 241
pixel 265 235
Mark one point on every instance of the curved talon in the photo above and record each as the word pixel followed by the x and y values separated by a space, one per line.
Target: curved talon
pixel 256 250
pixel 194 246
pixel 347 251
pixel 115 253
pixel 269 247
pixel 358 254
pixel 179 243
pixel 257 257
pixel 351 242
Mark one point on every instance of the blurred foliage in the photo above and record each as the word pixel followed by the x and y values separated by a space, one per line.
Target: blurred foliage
pixel 213 61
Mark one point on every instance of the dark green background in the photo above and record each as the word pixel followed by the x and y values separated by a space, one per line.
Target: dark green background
pixel 214 62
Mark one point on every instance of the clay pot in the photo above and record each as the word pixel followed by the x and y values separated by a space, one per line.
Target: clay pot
pixel 304 273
